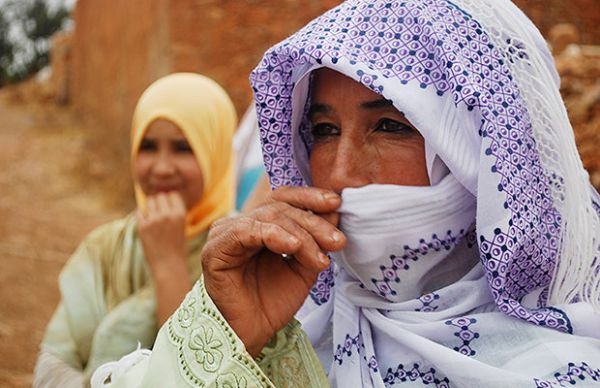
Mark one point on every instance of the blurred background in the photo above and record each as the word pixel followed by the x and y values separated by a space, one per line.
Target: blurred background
pixel 70 74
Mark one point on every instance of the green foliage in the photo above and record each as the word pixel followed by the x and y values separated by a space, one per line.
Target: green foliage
pixel 6 50
pixel 44 24
pixel 34 23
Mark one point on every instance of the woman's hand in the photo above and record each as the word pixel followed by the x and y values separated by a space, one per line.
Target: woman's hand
pixel 162 232
pixel 256 289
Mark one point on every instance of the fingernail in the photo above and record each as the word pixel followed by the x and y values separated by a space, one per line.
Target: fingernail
pixel 330 196
pixel 336 237
pixel 323 258
pixel 293 240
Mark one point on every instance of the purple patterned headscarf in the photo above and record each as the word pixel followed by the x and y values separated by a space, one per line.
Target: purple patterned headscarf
pixel 476 119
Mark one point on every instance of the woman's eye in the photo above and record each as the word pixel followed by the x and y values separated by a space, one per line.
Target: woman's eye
pixel 182 146
pixel 324 130
pixel 393 126
pixel 147 145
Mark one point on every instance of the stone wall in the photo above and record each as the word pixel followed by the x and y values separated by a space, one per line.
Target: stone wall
pixel 226 39
pixel 120 47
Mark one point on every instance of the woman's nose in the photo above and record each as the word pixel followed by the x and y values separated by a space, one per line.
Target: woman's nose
pixel 163 165
pixel 348 169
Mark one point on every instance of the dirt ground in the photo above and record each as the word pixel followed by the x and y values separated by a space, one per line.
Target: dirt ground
pixel 45 210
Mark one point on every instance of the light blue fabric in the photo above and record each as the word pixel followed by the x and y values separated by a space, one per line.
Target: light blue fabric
pixel 247 184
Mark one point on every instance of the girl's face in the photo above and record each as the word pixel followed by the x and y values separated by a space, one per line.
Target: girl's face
pixel 360 138
pixel 166 162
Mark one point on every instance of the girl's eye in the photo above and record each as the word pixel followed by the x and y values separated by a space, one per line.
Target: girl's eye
pixel 393 126
pixel 147 145
pixel 182 146
pixel 324 130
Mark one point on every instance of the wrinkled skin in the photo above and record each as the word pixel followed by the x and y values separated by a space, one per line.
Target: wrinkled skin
pixel 359 139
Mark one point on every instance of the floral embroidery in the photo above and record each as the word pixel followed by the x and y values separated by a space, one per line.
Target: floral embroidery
pixel 207 348
pixel 230 380
pixel 204 341
pixel 291 373
pixel 185 314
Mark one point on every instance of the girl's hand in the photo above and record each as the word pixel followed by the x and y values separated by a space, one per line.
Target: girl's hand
pixel 162 232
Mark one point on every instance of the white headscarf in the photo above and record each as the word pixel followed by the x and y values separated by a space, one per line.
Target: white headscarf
pixel 477 80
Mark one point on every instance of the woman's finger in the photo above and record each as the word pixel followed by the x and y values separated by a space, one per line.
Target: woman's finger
pixel 176 202
pixel 162 204
pixel 251 235
pixel 151 207
pixel 222 223
pixel 308 198
pixel 309 274
pixel 248 236
pixel 332 218
pixel 327 236
pixel 309 248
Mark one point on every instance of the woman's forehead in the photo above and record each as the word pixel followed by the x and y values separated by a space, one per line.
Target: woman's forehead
pixel 324 79
pixel 333 92
pixel 163 128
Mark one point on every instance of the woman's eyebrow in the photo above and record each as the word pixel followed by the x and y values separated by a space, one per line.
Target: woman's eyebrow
pixel 377 104
pixel 319 108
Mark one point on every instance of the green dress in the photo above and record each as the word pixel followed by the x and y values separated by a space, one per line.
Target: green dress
pixel 108 304
pixel 197 348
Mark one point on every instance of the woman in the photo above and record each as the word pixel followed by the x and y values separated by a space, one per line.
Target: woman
pixel 432 154
pixel 128 276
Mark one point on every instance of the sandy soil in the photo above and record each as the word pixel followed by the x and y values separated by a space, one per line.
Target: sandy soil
pixel 45 210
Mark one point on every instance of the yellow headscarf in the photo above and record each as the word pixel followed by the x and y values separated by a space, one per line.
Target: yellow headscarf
pixel 206 116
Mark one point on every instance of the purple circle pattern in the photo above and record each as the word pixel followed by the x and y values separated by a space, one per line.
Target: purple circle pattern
pixel 573 375
pixel 345 349
pixel 427 303
pixel 465 334
pixel 414 373
pixel 391 274
pixel 437 45
pixel 321 290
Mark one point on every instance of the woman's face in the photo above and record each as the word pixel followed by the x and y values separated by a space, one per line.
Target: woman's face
pixel 166 162
pixel 360 138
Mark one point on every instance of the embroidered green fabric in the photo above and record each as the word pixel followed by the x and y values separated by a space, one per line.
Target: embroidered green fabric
pixel 290 361
pixel 197 348
pixel 108 303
